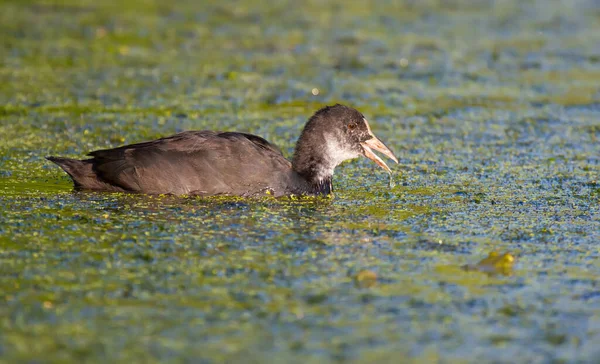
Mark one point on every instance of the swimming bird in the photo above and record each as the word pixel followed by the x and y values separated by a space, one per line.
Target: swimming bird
pixel 232 163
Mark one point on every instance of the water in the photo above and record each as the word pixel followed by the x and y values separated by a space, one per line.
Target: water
pixel 491 107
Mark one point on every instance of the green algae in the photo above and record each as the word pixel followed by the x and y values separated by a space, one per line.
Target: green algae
pixel 494 263
pixel 491 107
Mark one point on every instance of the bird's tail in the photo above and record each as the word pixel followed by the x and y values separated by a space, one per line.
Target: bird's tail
pixel 80 171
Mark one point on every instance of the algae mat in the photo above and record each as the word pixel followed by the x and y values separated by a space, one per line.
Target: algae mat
pixel 493 108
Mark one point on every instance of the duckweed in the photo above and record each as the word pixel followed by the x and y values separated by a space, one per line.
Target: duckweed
pixel 494 263
pixel 491 107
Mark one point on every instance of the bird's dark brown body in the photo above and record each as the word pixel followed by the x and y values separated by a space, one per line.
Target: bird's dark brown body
pixel 230 163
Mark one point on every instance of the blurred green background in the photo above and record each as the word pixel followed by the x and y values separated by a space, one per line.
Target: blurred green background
pixel 493 108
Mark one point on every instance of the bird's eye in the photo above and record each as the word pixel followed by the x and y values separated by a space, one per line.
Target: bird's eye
pixel 351 126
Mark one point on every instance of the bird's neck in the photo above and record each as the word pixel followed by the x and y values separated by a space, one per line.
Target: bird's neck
pixel 314 165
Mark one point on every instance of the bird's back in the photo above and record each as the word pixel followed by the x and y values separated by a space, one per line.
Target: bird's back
pixel 193 162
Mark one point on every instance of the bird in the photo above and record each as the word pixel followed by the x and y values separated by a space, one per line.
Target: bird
pixel 208 163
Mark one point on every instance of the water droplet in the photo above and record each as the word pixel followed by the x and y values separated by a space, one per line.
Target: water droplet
pixel 392 184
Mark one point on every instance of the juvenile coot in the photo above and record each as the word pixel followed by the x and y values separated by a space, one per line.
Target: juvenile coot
pixel 230 163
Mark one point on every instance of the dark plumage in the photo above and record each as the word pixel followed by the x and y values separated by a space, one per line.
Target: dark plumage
pixel 230 163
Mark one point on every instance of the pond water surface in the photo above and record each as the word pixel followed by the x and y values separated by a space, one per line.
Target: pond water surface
pixel 492 107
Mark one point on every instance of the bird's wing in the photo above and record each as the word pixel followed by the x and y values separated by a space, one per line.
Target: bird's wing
pixel 201 162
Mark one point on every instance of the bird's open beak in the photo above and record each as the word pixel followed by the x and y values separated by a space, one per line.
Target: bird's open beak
pixel 375 144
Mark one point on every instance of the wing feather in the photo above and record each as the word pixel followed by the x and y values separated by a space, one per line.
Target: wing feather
pixel 206 161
